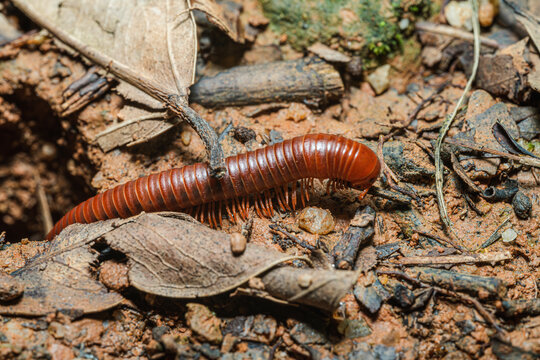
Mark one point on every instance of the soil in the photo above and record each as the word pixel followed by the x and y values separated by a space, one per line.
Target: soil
pixel 40 150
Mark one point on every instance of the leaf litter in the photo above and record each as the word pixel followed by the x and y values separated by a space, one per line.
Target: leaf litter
pixel 169 255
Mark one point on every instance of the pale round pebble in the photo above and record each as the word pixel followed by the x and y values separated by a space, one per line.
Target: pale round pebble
pixel 238 243
pixel 509 235
pixel 316 220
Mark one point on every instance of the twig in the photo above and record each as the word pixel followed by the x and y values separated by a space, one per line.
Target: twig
pixel 439 176
pixel 455 259
pixel 274 348
pixel 472 204
pixel 173 101
pixel 391 178
pixel 441 240
pixel 460 171
pixel 522 159
pixel 44 209
pixel 488 317
pixel 495 236
pixel 453 32
pixel 279 228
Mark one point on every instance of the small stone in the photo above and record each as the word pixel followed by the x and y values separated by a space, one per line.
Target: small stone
pixel 238 243
pixel 509 235
pixel 368 297
pixel 354 328
pixel 114 275
pixel 522 205
pixel 487 11
pixel 159 331
pixel 10 287
pixel 243 134
pixel 202 321
pixel 186 137
pixel 306 334
pixel 459 14
pixel 380 79
pixel 316 220
pixel 355 66
pixel 328 54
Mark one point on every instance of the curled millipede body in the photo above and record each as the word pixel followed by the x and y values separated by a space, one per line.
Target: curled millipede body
pixel 255 175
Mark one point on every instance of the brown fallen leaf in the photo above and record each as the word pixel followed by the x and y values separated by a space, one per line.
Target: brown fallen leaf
pixel 178 258
pixel 170 255
pixel 150 45
pixel 60 278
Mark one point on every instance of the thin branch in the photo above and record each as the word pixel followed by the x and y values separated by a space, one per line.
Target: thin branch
pixel 453 32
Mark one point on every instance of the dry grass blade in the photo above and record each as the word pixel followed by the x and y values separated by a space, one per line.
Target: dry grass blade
pixel 439 180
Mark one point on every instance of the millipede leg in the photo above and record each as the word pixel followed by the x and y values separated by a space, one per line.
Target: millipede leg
pixel 303 192
pixel 220 205
pixel 257 208
pixel 294 195
pixel 286 193
pixel 230 214
pixel 268 203
pixel 362 194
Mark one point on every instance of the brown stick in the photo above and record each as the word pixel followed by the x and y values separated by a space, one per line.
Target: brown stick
pixel 308 80
pixel 172 101
pixel 455 259
pixel 453 32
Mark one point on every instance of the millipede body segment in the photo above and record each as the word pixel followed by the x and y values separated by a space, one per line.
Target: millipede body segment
pixel 273 171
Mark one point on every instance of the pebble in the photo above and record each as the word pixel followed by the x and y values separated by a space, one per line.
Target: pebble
pixel 186 137
pixel 458 14
pixel 354 328
pixel 509 235
pixel 368 297
pixel 114 275
pixel 380 79
pixel 522 205
pixel 10 287
pixel 238 243
pixel 316 220
pixel 202 321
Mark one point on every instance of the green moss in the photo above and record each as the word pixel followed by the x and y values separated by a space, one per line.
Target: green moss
pixel 359 27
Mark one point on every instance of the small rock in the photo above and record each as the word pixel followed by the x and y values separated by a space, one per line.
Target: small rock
pixel 186 137
pixel 243 134
pixel 10 288
pixel 159 331
pixel 368 297
pixel 487 11
pixel 355 66
pixel 202 321
pixel 528 119
pixel 305 334
pixel 459 14
pixel 509 235
pixel 114 275
pixel 238 244
pixel 329 54
pixel 431 56
pixel 380 79
pixel 354 328
pixel 522 205
pixel 383 352
pixel 316 220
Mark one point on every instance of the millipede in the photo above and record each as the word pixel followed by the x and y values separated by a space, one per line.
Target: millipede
pixel 279 174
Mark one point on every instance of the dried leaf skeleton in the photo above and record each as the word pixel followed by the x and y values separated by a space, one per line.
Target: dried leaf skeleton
pixel 259 175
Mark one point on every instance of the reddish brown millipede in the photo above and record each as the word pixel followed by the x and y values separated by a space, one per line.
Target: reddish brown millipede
pixel 253 175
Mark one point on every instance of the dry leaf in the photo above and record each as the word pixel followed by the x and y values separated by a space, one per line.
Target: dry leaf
pixel 181 259
pixel 171 255
pixel 154 39
pixel 60 278
pixel 226 21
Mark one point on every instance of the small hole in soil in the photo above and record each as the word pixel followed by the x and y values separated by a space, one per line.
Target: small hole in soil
pixel 34 149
